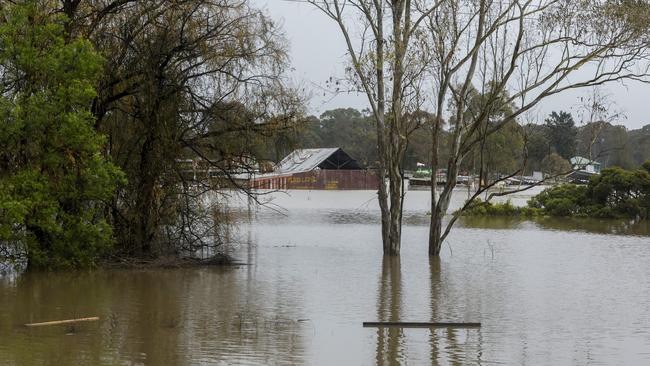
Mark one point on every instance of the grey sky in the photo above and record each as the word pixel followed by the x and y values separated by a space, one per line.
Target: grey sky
pixel 318 52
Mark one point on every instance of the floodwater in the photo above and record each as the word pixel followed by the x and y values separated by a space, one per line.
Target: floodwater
pixel 549 292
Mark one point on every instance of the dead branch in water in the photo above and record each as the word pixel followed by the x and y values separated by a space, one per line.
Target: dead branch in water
pixel 63 322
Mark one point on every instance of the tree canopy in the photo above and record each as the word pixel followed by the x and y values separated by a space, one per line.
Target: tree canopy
pixel 53 177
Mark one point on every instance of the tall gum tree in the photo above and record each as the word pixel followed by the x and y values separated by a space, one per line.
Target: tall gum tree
pixel 528 51
pixel 385 65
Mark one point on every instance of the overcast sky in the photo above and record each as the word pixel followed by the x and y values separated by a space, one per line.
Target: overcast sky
pixel 318 52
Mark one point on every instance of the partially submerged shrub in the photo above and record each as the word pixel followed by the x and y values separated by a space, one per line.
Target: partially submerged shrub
pixel 480 208
pixel 616 193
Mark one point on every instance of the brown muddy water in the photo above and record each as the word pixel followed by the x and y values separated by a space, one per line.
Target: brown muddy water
pixel 549 292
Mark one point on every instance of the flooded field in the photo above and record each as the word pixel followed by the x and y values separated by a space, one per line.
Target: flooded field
pixel 547 292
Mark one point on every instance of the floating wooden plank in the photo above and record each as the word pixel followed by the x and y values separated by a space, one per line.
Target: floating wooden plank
pixel 419 325
pixel 63 322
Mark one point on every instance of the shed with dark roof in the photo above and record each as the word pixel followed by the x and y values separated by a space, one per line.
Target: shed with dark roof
pixel 327 168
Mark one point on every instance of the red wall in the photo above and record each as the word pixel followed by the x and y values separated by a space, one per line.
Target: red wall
pixel 321 180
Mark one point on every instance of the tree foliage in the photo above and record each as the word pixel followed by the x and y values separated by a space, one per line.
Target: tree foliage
pixel 175 87
pixel 616 193
pixel 53 177
pixel 351 129
pixel 561 130
pixel 198 80
pixel 347 128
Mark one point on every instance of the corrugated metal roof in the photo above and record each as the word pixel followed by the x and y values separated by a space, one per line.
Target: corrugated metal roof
pixel 304 160
pixel 579 160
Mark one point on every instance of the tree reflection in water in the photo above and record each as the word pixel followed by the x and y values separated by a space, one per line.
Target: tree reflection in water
pixel 565 224
pixel 390 340
pixel 450 345
pixel 445 346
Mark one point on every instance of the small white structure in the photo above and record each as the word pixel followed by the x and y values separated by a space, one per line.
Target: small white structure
pixel 585 165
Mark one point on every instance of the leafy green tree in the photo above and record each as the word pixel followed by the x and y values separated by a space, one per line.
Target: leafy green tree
pixel 646 166
pixel 191 79
pixel 562 133
pixel 622 193
pixel 639 144
pixel 53 177
pixel 346 128
pixel 616 193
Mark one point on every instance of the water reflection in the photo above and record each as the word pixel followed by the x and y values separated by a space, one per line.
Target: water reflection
pixel 397 346
pixel 434 278
pixel 389 303
pixel 450 345
pixel 598 226
pixel 170 317
pixel 304 217
pixel 587 225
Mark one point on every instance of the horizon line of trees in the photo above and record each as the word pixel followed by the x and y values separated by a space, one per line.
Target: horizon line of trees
pixel 550 144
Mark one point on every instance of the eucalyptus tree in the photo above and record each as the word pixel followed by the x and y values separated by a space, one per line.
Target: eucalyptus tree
pixel 387 65
pixel 528 50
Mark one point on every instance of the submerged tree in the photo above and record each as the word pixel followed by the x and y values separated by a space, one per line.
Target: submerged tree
pixel 527 50
pixel 191 80
pixel 514 53
pixel 186 93
pixel 197 80
pixel 386 65
pixel 53 177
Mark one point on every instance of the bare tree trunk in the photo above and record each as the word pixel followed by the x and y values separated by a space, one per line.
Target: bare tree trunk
pixel 385 214
pixel 435 235
pixel 375 67
pixel 440 209
pixel 392 247
pixel 383 149
pixel 396 132
pixel 435 225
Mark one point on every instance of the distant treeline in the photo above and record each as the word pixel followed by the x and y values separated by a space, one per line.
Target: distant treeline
pixel 546 146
